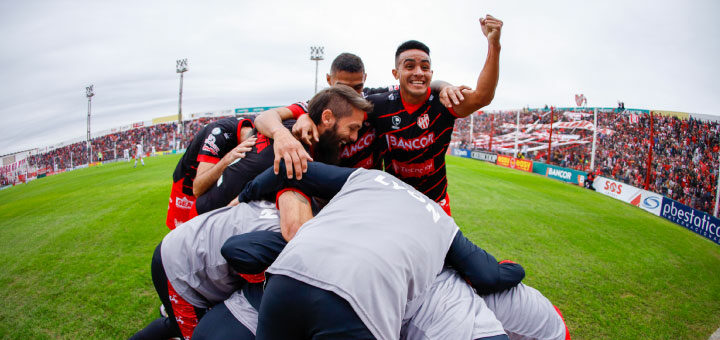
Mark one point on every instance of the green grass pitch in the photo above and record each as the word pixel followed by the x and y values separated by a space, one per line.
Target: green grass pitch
pixel 76 248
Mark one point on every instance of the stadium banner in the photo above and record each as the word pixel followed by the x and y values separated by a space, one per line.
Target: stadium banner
pixel 484 156
pixel 165 119
pixel 643 199
pixel 254 109
pixel 514 163
pixel 564 174
pixel 696 221
pixel 460 152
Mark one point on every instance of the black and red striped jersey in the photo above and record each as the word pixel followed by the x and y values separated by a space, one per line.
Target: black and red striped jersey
pixel 210 144
pixel 415 139
pixel 366 151
pixel 238 173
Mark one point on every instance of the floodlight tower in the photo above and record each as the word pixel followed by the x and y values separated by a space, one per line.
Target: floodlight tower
pixel 89 93
pixel 317 54
pixel 181 67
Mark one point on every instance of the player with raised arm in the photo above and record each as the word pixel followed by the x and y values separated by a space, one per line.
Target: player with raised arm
pixel 210 151
pixel 346 69
pixel 415 124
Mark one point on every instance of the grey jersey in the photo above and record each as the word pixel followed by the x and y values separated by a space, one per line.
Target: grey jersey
pixel 243 311
pixel 191 252
pixel 452 310
pixel 526 314
pixel 378 244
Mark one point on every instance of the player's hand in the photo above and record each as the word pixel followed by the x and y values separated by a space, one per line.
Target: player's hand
pixel 305 130
pixel 491 28
pixel 291 150
pixel 234 202
pixel 240 150
pixel 452 95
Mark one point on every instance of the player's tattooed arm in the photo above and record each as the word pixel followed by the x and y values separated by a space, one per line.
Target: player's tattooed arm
pixel 286 147
pixel 208 173
pixel 487 81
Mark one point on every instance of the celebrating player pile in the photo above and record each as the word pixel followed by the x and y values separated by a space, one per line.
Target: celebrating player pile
pixel 382 259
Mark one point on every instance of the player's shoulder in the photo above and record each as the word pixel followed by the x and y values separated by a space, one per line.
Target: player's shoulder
pixel 367 91
pixel 385 97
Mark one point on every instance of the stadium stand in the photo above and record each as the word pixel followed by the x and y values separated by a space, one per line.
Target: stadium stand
pixel 684 160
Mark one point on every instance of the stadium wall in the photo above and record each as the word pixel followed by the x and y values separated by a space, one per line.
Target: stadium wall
pixel 694 220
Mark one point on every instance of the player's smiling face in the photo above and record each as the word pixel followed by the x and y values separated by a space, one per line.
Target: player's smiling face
pixel 414 73
pixel 347 127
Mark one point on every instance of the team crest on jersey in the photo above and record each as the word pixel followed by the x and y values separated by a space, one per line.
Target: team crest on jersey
pixel 395 122
pixel 423 121
pixel 216 131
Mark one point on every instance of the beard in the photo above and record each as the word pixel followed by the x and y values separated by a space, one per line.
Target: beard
pixel 328 148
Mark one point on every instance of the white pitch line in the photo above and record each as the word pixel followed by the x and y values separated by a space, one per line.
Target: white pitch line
pixel 716 335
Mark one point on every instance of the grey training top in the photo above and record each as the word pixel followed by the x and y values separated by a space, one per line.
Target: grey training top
pixel 379 244
pixel 452 310
pixel 191 252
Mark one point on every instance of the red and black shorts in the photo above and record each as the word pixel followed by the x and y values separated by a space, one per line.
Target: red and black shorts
pixel 180 207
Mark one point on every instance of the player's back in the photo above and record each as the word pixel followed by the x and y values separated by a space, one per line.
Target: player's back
pixel 378 244
pixel 191 252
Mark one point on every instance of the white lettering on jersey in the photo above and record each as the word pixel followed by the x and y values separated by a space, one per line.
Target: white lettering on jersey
pixel 414 194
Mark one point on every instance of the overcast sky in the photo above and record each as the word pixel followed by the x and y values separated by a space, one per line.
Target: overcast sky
pixel 650 54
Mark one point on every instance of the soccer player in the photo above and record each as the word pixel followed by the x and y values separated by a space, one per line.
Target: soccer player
pixel 139 154
pixel 416 126
pixel 452 310
pixel 346 69
pixel 210 151
pixel 189 272
pixel 338 111
pixel 364 263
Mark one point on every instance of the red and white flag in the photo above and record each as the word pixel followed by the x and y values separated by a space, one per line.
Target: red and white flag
pixel 634 119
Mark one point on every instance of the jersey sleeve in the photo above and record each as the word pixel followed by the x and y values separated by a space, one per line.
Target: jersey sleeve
pixel 320 180
pixel 218 138
pixel 298 109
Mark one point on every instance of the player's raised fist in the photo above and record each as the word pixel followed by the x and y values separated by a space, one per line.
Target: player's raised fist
pixel 491 27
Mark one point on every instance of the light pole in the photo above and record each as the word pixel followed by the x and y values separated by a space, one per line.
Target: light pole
pixel 316 53
pixel 89 94
pixel 181 67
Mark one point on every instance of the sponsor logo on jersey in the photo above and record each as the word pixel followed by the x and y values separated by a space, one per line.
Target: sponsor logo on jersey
pixel 423 121
pixel 216 131
pixel 183 203
pixel 411 144
pixel 363 142
pixel 210 146
pixel 395 122
pixel 414 169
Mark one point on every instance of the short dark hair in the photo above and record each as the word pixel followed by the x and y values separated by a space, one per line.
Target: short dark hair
pixel 411 45
pixel 340 99
pixel 347 62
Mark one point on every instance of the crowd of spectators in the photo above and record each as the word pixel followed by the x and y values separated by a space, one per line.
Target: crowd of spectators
pixel 160 137
pixel 684 162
